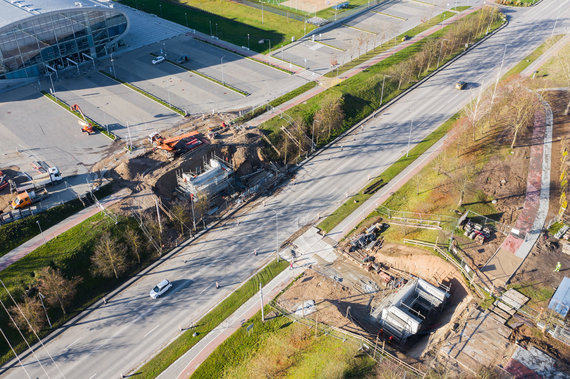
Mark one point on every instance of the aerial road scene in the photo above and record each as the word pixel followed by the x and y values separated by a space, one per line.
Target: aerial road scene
pixel 284 189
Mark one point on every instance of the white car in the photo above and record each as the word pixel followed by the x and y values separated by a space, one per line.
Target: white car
pixel 158 59
pixel 160 288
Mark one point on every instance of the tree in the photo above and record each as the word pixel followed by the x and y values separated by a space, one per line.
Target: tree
pixel 56 289
pixel 133 240
pixel 179 211
pixel 521 105
pixel 329 117
pixel 464 177
pixel 110 258
pixel 31 309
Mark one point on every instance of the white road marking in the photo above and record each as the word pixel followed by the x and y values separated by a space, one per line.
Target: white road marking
pixel 205 289
pixel 150 331
pixel 71 344
pixel 92 376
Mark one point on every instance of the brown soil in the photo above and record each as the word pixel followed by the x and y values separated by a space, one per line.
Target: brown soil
pixel 537 269
pixel 526 336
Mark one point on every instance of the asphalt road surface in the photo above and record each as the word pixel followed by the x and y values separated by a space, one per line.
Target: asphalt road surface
pixel 118 337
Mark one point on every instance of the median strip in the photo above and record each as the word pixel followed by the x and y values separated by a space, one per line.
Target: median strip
pixel 144 93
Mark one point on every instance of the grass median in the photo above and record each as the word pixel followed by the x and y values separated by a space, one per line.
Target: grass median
pixel 212 319
pixel 529 59
pixel 355 201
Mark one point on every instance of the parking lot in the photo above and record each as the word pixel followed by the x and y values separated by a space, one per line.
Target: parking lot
pixel 346 41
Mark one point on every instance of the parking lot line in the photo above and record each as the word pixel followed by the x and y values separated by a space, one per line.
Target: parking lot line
pixel 359 29
pixel 390 15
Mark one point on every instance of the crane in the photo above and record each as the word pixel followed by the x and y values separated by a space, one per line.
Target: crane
pixel 169 144
pixel 86 126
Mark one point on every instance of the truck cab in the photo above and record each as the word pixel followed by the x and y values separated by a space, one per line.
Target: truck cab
pixel 22 200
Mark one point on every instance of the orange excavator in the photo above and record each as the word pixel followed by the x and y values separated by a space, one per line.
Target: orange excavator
pixel 86 126
pixel 171 145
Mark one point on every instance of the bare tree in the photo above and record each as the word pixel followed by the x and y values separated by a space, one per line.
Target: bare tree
pixel 30 309
pixel 57 289
pixel 180 212
pixel 110 258
pixel 520 105
pixel 330 117
pixel 463 178
pixel 134 242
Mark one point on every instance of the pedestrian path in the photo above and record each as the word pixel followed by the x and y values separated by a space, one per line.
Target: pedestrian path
pixel 516 247
pixel 49 234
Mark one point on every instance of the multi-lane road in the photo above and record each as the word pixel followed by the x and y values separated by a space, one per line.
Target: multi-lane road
pixel 116 338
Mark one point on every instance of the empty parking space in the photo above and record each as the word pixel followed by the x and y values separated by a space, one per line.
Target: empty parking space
pixel 244 74
pixel 184 89
pixel 34 128
pixel 115 105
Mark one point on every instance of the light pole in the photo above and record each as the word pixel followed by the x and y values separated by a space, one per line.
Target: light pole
pixel 113 65
pixel 41 232
pixel 210 21
pixel 52 86
pixel 186 17
pixel 222 64
pixel 382 94
pixel 41 296
pixel 276 234
pixel 499 74
pixel 440 48
pixel 217 30
pixel 160 5
pixel 313 135
pixel 409 137
pixel 248 41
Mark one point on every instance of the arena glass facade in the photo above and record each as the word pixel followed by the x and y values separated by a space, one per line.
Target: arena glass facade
pixel 54 40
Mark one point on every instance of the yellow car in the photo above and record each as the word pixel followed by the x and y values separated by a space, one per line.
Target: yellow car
pixel 460 85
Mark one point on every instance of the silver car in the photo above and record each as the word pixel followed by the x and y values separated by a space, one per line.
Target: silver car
pixel 160 288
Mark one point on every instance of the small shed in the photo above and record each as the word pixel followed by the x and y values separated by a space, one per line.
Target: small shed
pixel 560 302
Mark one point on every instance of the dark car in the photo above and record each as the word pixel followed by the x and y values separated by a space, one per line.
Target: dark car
pixel 183 59
pixel 460 85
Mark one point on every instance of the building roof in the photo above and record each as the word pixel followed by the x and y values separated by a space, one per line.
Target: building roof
pixel 15 10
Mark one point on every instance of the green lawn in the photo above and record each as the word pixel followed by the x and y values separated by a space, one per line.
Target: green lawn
pixel 16 233
pixel 281 348
pixel 70 252
pixel 527 61
pixel 355 201
pixel 517 3
pixel 207 323
pixel 228 21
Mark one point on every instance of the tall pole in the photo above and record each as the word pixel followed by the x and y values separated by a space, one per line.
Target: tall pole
pixel 382 94
pixel 186 16
pixel 261 299
pixel 41 296
pixel 222 64
pixel 277 236
pixel 158 215
pixel 41 232
pixel 409 137
pixel 498 75
pixel 193 217
pixel 248 41
pixel 262 13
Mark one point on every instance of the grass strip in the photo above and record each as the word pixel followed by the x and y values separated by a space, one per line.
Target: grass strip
pixel 143 92
pixel 276 102
pixel 236 23
pixel 529 59
pixel 517 3
pixel 16 233
pixel 95 124
pixel 211 320
pixel 390 173
pixel 461 8
pixel 390 44
pixel 207 77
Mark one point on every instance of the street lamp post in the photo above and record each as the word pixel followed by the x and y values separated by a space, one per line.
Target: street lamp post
pixel 41 296
pixel 382 94
pixel 248 41
pixel 499 74
pixel 409 138
pixel 440 48
pixel 276 234
pixel 222 64
pixel 41 232
pixel 210 21
pixel 160 5
pixel 52 86
pixel 186 17
pixel 113 65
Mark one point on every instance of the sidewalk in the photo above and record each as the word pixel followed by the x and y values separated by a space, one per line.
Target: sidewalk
pixel 49 234
pixel 511 254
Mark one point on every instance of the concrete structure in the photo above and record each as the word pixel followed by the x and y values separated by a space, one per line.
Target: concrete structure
pixel 404 313
pixel 560 302
pixel 211 182
pixel 33 42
